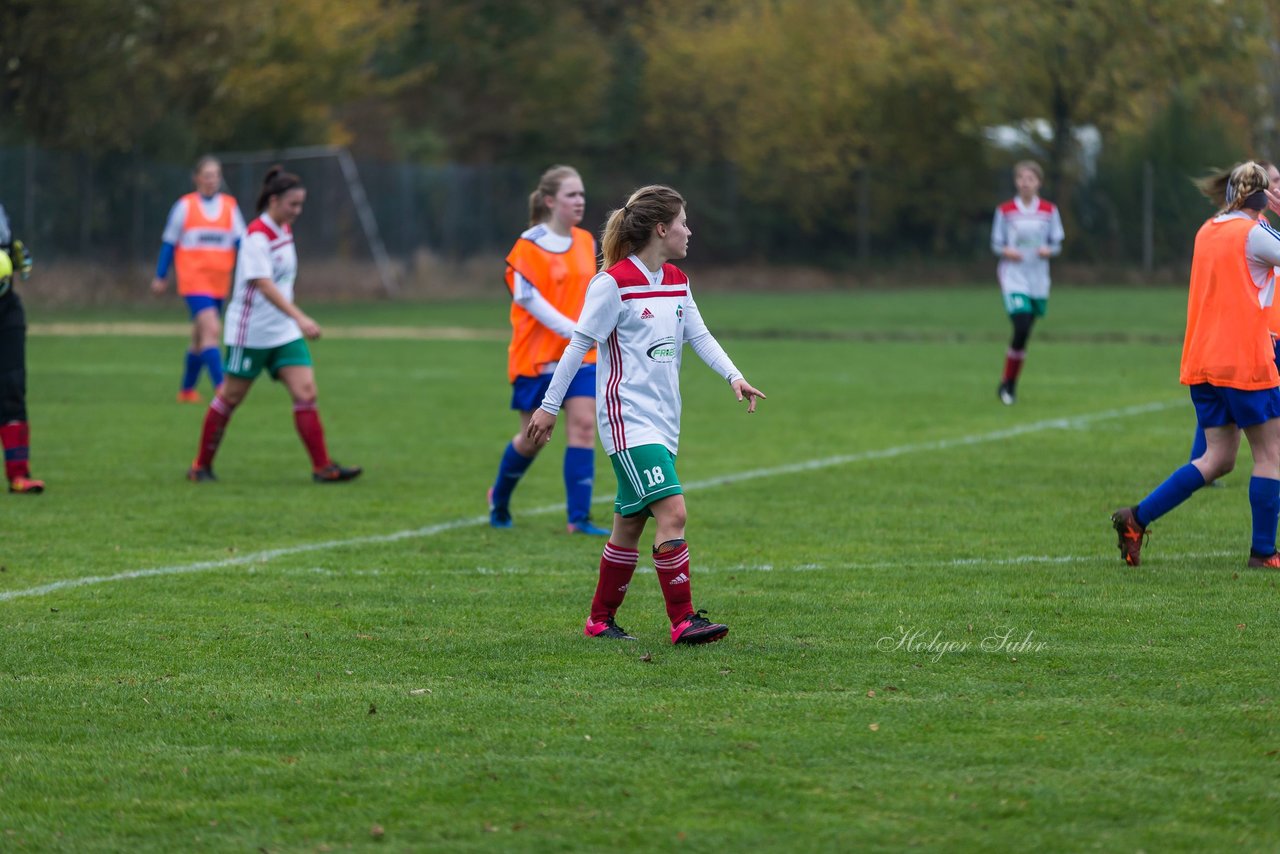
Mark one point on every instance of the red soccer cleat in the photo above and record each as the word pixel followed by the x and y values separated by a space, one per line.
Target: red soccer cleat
pixel 26 486
pixel 1131 534
pixel 188 395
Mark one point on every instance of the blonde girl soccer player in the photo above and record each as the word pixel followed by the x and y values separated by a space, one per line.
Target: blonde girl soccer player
pixel 265 330
pixel 1228 361
pixel 1025 233
pixel 1217 188
pixel 640 313
pixel 547 273
pixel 200 239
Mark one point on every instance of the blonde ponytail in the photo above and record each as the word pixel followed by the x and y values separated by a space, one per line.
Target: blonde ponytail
pixel 1230 189
pixel 628 229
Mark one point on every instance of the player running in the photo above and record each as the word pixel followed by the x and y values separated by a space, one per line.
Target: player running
pixel 547 273
pixel 15 433
pixel 265 330
pixel 1229 363
pixel 200 239
pixel 1025 233
pixel 640 312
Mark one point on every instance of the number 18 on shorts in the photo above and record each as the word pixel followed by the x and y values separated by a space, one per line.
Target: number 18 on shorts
pixel 645 474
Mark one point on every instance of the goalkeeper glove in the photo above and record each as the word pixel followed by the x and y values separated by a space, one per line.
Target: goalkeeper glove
pixel 22 258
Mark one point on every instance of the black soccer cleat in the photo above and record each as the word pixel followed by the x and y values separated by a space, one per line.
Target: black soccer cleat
pixel 605 629
pixel 200 474
pixel 334 473
pixel 696 628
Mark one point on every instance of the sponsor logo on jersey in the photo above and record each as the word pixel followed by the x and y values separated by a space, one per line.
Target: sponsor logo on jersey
pixel 662 351
pixel 646 315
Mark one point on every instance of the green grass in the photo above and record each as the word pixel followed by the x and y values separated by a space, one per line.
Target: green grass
pixel 438 686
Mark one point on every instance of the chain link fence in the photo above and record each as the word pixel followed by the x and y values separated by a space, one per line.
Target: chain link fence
pixel 107 213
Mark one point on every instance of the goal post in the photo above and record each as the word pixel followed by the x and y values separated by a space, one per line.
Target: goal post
pixel 246 161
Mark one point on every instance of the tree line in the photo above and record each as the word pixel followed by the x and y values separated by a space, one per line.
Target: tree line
pixel 824 118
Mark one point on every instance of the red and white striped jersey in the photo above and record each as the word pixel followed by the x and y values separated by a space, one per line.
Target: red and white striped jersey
pixel 640 320
pixel 265 253
pixel 1026 228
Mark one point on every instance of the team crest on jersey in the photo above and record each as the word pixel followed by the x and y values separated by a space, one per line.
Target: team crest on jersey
pixel 646 315
pixel 662 351
pixel 679 312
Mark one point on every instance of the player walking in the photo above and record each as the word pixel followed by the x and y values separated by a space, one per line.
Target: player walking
pixel 640 312
pixel 547 273
pixel 1025 233
pixel 200 239
pixel 15 433
pixel 1216 187
pixel 1229 362
pixel 265 330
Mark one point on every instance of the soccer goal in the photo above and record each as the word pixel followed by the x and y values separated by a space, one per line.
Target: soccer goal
pixel 338 224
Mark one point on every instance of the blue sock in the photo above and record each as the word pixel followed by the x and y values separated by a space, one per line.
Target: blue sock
pixel 1170 494
pixel 1264 500
pixel 191 372
pixel 212 358
pixel 579 472
pixel 1199 445
pixel 510 470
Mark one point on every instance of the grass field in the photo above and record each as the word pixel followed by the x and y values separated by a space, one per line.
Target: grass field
pixel 263 663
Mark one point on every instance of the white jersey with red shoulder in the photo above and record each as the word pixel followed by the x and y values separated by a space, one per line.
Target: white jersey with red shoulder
pixel 266 252
pixel 640 319
pixel 1027 227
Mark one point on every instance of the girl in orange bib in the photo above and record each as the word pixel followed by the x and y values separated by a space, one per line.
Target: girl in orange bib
pixel 547 274
pixel 200 241
pixel 1228 361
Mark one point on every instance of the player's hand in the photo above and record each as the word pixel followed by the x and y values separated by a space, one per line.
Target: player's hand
pixel 742 388
pixel 541 423
pixel 1045 251
pixel 158 285
pixel 1012 254
pixel 22 258
pixel 310 329
pixel 1273 199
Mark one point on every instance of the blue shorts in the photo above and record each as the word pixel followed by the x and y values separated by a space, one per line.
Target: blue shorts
pixel 1218 406
pixel 527 392
pixel 197 303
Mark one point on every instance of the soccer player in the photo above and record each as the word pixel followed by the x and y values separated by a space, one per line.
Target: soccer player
pixel 547 273
pixel 1216 188
pixel 640 312
pixel 265 330
pixel 1025 233
pixel 1229 362
pixel 15 433
pixel 200 239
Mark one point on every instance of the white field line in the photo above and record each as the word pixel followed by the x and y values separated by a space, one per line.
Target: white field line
pixel 730 569
pixel 1075 423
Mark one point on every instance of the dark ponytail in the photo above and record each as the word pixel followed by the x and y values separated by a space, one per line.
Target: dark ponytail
pixel 277 182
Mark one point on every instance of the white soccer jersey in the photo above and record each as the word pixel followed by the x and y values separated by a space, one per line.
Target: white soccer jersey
pixel 265 253
pixel 1027 228
pixel 641 321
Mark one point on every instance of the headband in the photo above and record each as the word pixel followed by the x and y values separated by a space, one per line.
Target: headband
pixel 1257 201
